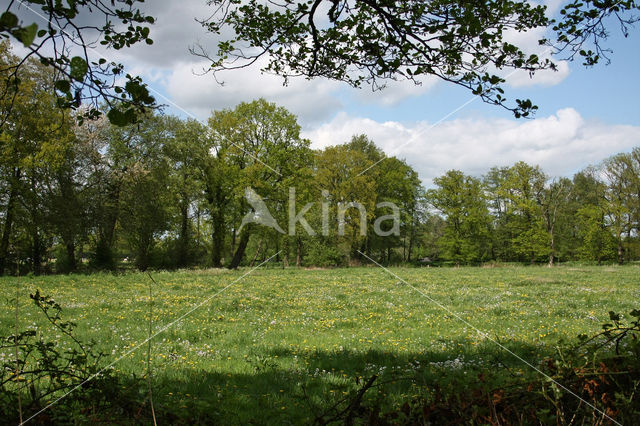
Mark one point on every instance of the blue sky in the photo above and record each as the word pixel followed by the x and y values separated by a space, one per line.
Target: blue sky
pixel 610 93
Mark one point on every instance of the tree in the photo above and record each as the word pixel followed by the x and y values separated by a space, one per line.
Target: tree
pixel 398 183
pixel 634 188
pixel 618 172
pixel 66 200
pixel 462 202
pixel 587 191
pixel 554 200
pixel 597 241
pixel 110 165
pixel 256 145
pixel 143 204
pixel 430 231
pixel 351 195
pixel 524 189
pixel 64 40
pixel 144 209
pixel 182 152
pixel 498 201
pixel 372 41
pixel 122 159
pixel 34 140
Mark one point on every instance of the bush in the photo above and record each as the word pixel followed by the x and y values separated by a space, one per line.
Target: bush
pixel 594 382
pixel 49 368
pixel 320 254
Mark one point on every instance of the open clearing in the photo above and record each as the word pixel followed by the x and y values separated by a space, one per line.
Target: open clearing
pixel 283 345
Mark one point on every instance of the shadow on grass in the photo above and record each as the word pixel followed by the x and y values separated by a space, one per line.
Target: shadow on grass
pixel 285 386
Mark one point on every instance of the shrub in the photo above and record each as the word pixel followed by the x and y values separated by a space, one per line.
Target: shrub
pixel 320 254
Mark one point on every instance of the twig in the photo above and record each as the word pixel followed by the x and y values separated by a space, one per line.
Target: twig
pixel 15 341
pixel 353 405
pixel 153 413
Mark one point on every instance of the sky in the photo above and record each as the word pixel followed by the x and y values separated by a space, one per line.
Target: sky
pixel 585 115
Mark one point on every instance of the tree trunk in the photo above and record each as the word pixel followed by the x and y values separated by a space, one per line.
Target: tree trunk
pixel 198 228
pixel 298 252
pixel 183 244
pixel 71 256
pixel 8 223
pixel 104 254
pixel 553 252
pixel 142 259
pixel 620 251
pixel 36 252
pixel 218 239
pixel 285 252
pixel 255 256
pixel 411 237
pixel 234 236
pixel 404 248
pixel 242 246
pixel 36 247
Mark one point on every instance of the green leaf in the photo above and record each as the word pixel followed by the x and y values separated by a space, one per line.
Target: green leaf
pixel 119 118
pixel 63 86
pixel 8 20
pixel 138 92
pixel 116 117
pixel 79 68
pixel 27 34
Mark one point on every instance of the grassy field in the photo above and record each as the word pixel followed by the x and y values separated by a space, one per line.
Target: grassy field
pixel 282 346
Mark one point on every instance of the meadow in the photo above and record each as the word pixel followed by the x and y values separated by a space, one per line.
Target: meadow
pixel 287 345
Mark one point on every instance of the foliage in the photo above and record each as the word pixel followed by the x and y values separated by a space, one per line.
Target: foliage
pixel 465 43
pixel 590 383
pixel 256 145
pixel 324 254
pixel 65 41
pixel 462 201
pixel 43 370
pixel 170 193
pixel 368 41
pixel 598 243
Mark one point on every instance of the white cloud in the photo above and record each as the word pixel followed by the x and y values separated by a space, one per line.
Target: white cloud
pixel 395 91
pixel 168 67
pixel 174 31
pixel 312 101
pixel 561 143
pixel 528 43
pixel 544 78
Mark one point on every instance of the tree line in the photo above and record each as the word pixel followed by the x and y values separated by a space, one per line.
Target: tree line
pixel 168 192
pixel 519 213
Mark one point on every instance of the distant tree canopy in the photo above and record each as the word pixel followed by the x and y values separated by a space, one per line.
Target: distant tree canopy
pixel 170 193
pixel 371 41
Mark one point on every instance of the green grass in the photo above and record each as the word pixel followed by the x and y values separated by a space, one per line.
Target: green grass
pixel 280 345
